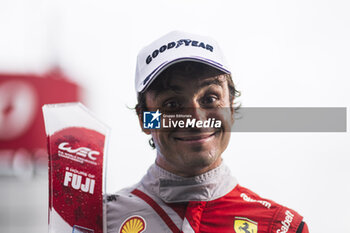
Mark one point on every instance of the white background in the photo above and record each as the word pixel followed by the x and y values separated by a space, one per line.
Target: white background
pixel 282 53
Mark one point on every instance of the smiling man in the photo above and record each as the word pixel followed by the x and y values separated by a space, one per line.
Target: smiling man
pixel 200 92
pixel 184 81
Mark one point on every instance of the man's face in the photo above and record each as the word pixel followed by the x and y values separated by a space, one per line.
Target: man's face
pixel 192 151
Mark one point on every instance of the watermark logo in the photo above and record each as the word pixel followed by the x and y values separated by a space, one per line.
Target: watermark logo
pixel 151 120
pixel 249 119
pixel 157 120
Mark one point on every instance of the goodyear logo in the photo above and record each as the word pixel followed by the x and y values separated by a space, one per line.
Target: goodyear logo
pixel 133 224
pixel 245 225
pixel 177 44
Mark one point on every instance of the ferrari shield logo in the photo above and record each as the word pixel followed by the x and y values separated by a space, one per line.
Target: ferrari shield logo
pixel 245 225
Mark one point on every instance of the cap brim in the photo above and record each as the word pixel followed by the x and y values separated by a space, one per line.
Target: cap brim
pixel 152 76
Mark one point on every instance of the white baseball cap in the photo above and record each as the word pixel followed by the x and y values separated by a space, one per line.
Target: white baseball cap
pixel 175 47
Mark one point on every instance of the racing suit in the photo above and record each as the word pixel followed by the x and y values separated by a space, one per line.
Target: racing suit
pixel 212 202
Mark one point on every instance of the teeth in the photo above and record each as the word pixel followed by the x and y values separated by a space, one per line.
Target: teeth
pixel 194 137
pixel 189 139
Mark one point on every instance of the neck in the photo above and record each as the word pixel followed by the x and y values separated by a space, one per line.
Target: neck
pixel 187 171
pixel 173 188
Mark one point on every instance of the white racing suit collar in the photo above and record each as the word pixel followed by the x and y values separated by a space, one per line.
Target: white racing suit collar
pixel 173 188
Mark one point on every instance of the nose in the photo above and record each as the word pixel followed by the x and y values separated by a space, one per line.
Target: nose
pixel 196 111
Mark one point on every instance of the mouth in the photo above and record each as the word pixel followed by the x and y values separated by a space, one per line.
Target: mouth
pixel 195 137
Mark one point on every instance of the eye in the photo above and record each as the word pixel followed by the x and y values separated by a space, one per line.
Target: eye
pixel 209 100
pixel 171 105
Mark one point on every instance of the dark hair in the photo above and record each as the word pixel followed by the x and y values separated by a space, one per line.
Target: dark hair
pixel 186 68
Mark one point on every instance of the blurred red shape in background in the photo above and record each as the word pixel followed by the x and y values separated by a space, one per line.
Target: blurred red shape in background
pixel 22 132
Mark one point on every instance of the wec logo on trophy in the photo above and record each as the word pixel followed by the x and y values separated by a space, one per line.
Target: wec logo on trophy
pixel 81 151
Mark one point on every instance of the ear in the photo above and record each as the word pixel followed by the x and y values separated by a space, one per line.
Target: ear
pixel 232 108
pixel 146 131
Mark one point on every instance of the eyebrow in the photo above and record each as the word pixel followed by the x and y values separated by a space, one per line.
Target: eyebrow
pixel 173 88
pixel 178 89
pixel 209 82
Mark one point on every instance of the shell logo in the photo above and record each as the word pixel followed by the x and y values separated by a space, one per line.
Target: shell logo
pixel 133 224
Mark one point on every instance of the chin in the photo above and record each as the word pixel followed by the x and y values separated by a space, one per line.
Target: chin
pixel 200 160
